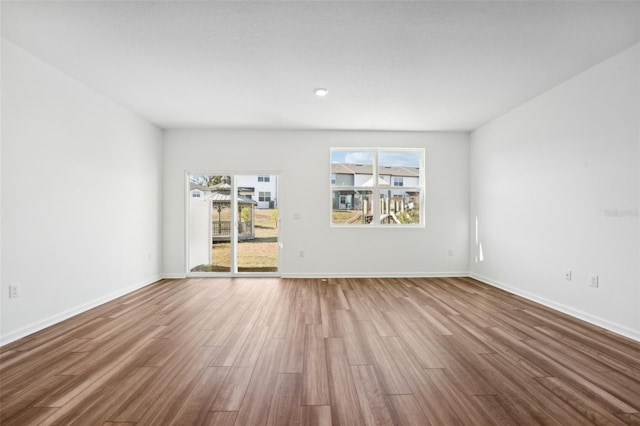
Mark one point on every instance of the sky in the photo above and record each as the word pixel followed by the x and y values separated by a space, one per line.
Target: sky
pixel 385 158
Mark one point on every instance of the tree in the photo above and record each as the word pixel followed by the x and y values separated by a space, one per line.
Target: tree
pixel 206 180
pixel 245 214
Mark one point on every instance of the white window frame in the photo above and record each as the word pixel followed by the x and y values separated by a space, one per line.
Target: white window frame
pixel 376 189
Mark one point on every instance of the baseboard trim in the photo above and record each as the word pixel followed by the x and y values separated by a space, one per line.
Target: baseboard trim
pixel 174 276
pixel 377 275
pixel 54 319
pixel 591 319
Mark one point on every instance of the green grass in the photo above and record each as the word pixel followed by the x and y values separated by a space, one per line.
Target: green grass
pixel 342 216
pixel 258 255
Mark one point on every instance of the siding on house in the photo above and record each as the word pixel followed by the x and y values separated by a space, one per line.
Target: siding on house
pixel 357 174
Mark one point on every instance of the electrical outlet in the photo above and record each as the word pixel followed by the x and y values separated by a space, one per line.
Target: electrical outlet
pixel 301 253
pixel 14 291
pixel 593 282
pixel 567 275
pixel 450 252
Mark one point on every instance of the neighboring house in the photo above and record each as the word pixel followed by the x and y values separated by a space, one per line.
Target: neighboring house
pixel 198 191
pixel 263 189
pixel 361 175
pixel 344 174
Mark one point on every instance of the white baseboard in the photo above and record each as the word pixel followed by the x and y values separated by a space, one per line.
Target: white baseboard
pixel 591 319
pixel 343 275
pixel 174 276
pixel 377 275
pixel 54 319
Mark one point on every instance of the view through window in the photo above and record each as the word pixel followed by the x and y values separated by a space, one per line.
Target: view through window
pixel 377 187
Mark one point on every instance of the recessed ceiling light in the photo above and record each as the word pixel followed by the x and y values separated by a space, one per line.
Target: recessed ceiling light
pixel 321 92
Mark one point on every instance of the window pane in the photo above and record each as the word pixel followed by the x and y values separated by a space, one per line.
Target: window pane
pixel 351 207
pixel 351 168
pixel 209 223
pixel 399 168
pixel 398 207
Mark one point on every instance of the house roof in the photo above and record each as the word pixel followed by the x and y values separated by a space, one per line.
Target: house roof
pixel 222 186
pixel 193 185
pixel 351 169
pixel 367 169
pixel 225 198
pixel 399 171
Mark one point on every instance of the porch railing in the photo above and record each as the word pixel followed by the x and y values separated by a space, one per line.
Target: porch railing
pixel 223 228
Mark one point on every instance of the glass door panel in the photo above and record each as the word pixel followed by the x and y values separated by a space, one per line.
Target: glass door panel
pixel 210 221
pixel 257 248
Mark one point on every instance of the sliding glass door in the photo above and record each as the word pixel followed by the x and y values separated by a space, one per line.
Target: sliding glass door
pixel 232 224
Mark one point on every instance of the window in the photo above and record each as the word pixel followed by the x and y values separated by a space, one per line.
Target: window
pixel 264 196
pixel 195 194
pixel 264 178
pixel 377 187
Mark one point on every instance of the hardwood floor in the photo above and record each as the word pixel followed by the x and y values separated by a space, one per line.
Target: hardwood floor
pixel 440 351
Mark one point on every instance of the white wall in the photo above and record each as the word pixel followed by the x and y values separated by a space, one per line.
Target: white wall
pixel 81 201
pixel 544 180
pixel 303 159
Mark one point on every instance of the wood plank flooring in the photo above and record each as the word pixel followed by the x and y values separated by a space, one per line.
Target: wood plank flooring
pixel 269 351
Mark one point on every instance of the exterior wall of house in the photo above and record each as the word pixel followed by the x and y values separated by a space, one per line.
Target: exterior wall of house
pixel 344 179
pixel 361 179
pixel 270 187
pixel 406 180
pixel 199 194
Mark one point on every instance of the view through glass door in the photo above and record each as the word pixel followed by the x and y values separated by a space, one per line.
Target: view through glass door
pixel 215 202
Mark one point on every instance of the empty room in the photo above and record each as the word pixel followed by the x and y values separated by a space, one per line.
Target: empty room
pixel 320 213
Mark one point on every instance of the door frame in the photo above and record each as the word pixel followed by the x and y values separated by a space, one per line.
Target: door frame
pixel 234 219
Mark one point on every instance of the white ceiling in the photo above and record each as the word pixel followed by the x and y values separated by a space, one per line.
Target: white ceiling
pixel 432 65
